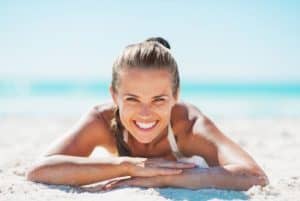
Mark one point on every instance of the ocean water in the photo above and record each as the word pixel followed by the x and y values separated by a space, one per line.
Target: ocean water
pixel 215 99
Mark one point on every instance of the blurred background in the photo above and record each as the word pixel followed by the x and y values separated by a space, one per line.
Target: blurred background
pixel 236 58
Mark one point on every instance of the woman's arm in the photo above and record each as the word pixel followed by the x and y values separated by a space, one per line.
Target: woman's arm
pixel 214 177
pixel 74 170
pixel 67 161
pixel 230 166
pixel 223 177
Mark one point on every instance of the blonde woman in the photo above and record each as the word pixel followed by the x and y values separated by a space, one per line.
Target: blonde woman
pixel 153 138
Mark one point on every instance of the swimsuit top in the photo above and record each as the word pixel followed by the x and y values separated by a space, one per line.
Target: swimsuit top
pixel 198 160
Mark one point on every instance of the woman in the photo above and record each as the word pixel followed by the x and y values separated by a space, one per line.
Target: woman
pixel 153 138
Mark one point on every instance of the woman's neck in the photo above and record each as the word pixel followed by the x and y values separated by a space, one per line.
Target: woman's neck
pixel 147 146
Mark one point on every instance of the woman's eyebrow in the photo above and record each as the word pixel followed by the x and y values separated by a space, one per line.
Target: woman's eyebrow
pixel 161 95
pixel 129 94
pixel 158 96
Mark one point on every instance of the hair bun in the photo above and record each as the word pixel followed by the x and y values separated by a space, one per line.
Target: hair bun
pixel 160 40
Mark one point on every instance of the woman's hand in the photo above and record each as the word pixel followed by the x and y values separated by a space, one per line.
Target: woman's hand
pixel 144 172
pixel 187 179
pixel 149 182
pixel 157 181
pixel 150 167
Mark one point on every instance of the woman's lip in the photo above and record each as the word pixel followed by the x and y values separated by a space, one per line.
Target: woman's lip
pixel 145 122
pixel 145 129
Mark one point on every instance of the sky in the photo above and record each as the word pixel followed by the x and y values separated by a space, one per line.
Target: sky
pixel 211 40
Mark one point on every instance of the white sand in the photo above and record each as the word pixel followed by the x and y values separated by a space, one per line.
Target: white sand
pixel 272 142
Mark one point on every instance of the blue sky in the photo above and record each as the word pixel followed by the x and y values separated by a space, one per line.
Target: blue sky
pixel 211 40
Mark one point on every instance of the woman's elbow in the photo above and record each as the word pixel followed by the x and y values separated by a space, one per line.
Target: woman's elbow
pixel 41 172
pixel 262 180
pixel 249 178
pixel 37 173
pixel 257 177
pixel 49 172
pixel 33 173
pixel 260 177
pixel 257 180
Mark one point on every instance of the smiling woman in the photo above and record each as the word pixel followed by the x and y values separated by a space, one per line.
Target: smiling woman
pixel 149 134
pixel 146 106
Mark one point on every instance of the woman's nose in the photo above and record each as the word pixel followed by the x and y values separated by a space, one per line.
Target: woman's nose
pixel 145 110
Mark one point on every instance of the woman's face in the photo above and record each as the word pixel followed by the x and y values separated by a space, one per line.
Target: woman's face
pixel 145 100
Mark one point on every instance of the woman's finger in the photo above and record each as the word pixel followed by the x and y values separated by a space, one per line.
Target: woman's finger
pixel 150 172
pixel 160 162
pixel 117 184
pixel 159 166
pixel 168 171
pixel 172 164
pixel 137 182
pixel 92 189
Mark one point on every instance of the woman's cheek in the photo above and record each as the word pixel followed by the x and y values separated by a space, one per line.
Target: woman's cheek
pixel 162 106
pixel 163 111
pixel 131 110
pixel 128 111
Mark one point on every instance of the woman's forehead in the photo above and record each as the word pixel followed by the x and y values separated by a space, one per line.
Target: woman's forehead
pixel 143 71
pixel 145 82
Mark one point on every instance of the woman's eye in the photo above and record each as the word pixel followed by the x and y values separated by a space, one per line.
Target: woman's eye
pixel 159 100
pixel 131 99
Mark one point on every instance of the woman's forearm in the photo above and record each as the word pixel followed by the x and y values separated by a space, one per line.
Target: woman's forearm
pixel 214 177
pixel 73 170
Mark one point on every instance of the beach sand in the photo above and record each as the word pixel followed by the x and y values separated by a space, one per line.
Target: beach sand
pixel 273 143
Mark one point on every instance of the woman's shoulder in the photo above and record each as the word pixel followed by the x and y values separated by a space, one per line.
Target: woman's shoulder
pixel 98 120
pixel 98 116
pixel 103 110
pixel 185 115
pixel 185 112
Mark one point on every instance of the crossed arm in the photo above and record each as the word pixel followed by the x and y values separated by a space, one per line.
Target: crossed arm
pixel 230 166
pixel 67 162
pixel 197 178
pixel 77 171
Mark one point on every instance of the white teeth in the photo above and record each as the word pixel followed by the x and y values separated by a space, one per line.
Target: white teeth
pixel 145 125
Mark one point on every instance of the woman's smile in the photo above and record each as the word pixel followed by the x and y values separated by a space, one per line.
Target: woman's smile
pixel 145 126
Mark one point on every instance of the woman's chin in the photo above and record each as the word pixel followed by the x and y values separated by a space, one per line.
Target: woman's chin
pixel 145 142
pixel 143 139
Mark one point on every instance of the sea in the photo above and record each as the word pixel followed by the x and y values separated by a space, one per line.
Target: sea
pixel 73 97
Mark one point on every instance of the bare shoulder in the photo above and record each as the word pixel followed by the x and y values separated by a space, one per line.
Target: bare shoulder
pixel 193 131
pixel 92 129
pixel 185 115
pixel 200 136
pixel 104 111
pixel 101 116
pixel 98 117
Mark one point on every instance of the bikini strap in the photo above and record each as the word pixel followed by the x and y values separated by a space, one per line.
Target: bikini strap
pixel 125 136
pixel 173 144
